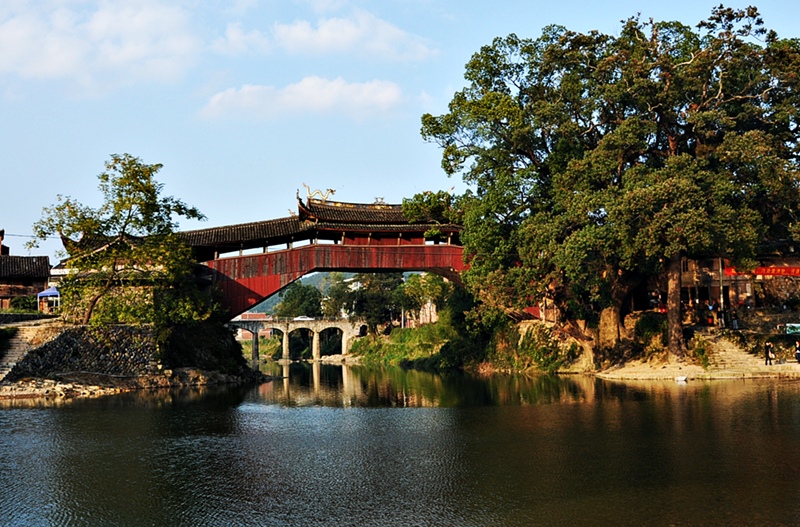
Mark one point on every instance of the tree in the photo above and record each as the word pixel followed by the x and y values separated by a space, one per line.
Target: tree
pixel 421 289
pixel 126 262
pixel 376 299
pixel 337 298
pixel 437 207
pixel 599 160
pixel 300 300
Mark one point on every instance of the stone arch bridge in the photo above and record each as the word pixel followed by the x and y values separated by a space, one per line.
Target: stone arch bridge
pixel 349 328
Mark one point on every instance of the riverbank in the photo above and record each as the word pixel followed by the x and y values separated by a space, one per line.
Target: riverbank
pixel 725 360
pixel 83 384
pixel 78 361
pixel 681 370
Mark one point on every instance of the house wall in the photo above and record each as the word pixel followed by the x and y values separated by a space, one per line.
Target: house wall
pixel 11 288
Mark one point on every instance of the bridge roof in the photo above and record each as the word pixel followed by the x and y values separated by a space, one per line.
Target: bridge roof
pixel 315 219
pixel 353 213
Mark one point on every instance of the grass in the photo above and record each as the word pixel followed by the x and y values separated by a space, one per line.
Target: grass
pixel 402 346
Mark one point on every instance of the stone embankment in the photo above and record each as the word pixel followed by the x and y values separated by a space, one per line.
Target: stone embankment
pixel 78 361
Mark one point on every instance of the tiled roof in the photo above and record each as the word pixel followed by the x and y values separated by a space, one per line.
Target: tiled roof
pixel 259 234
pixel 385 227
pixel 24 266
pixel 235 234
pixel 334 211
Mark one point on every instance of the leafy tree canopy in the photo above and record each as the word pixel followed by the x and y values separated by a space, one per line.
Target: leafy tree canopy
pixel 377 298
pixel 126 264
pixel 596 160
pixel 300 300
pixel 337 299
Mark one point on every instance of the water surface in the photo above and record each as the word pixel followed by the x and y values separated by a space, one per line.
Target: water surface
pixel 382 447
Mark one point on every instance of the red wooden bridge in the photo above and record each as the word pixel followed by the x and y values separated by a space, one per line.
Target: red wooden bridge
pixel 252 261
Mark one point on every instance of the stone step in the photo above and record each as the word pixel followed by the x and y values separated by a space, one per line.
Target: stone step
pixel 18 346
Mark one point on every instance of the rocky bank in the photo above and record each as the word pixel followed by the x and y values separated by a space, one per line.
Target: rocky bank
pixel 89 361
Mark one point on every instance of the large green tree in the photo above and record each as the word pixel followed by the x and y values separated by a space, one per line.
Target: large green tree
pixel 337 298
pixel 598 160
pixel 377 298
pixel 126 263
pixel 300 300
pixel 419 290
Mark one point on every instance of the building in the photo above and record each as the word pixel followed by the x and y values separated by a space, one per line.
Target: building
pixel 774 282
pixel 21 276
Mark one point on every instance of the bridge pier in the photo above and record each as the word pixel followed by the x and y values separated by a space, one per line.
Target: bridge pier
pixel 316 354
pixel 254 349
pixel 285 346
pixel 253 327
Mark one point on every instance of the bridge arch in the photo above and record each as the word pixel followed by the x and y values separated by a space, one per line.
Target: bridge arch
pixel 350 329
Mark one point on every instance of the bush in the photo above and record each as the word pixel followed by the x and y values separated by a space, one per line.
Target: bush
pixel 24 303
pixel 651 325
pixel 535 349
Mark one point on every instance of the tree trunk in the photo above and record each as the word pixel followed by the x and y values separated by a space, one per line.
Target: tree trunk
pixel 608 330
pixel 674 323
pixel 612 327
pixel 93 302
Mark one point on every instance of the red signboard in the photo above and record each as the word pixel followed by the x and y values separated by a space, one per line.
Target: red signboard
pixel 767 271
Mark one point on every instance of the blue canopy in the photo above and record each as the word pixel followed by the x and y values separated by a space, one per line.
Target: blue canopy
pixel 50 291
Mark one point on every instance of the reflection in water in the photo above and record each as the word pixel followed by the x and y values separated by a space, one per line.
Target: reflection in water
pixel 315 384
pixel 331 445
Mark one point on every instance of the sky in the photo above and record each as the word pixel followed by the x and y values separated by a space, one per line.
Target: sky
pixel 244 102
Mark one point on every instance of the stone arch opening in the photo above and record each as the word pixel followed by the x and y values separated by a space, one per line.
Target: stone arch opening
pixel 301 343
pixel 330 341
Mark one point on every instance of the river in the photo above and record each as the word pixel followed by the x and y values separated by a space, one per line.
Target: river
pixel 338 446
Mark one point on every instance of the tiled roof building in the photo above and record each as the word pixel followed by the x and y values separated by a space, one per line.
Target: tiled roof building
pixel 21 275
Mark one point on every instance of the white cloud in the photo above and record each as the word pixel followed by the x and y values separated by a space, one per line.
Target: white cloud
pixel 96 44
pixel 312 95
pixel 236 41
pixel 361 33
pixel 324 6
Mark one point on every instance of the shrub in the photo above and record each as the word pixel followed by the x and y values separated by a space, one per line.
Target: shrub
pixel 24 303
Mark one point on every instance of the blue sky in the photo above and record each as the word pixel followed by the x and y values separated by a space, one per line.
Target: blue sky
pixel 244 101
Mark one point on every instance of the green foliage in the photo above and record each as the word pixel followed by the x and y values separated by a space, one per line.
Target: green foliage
pixel 25 303
pixel 594 160
pixel 701 353
pixel 403 346
pixel 267 347
pixel 651 325
pixel 300 300
pixel 337 296
pixel 535 349
pixel 432 207
pixel 128 265
pixel 377 299
pixel 419 290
